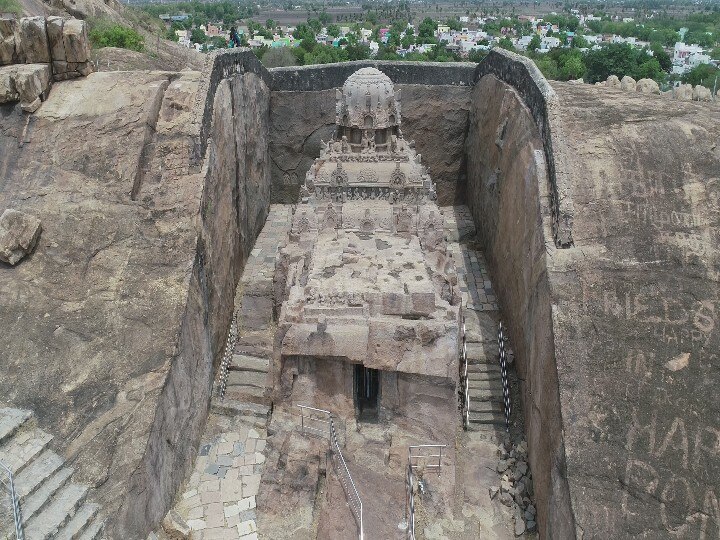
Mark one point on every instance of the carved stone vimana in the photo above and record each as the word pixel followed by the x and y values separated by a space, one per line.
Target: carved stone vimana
pixel 365 276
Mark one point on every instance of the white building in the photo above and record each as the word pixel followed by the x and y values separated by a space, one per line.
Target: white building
pixel 686 57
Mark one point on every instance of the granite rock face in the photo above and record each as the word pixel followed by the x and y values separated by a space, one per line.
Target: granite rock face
pixel 128 291
pixel 32 82
pixel 19 233
pixel 619 330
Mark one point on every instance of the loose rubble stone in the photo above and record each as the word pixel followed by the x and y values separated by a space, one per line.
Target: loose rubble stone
pixel 19 233
pixel 55 38
pixel 176 527
pixel 8 92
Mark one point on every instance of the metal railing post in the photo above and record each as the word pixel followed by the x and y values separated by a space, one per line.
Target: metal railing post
pixel 14 500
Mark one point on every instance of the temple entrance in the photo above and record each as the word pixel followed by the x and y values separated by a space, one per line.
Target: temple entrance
pixel 367 391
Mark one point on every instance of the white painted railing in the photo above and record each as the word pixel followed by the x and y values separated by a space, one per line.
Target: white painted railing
pixel 322 423
pixel 14 500
pixel 227 356
pixel 429 454
pixel 464 384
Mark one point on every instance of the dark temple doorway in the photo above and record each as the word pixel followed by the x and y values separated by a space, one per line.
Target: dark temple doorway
pixel 367 392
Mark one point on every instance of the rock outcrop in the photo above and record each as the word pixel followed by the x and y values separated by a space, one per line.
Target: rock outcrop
pixel 19 233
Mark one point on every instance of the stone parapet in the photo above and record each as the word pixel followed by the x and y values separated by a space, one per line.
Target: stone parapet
pixel 323 77
pixel 522 74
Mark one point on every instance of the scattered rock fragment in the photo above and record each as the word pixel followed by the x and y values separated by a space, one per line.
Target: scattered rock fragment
pixel 683 92
pixel 175 527
pixel 700 93
pixel 19 233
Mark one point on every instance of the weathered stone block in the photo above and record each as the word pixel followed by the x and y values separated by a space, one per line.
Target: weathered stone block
pixel 647 86
pixel 32 81
pixel 8 29
pixel 55 38
pixel 32 43
pixel 19 233
pixel 75 38
pixel 8 92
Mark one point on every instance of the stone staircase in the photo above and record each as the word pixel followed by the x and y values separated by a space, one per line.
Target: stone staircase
pixel 484 385
pixel 52 506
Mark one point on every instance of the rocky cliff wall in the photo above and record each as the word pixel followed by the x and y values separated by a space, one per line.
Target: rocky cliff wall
pixel 435 102
pixel 113 325
pixel 509 199
pixel 616 335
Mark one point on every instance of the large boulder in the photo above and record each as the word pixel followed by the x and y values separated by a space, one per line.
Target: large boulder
pixel 647 86
pixel 683 92
pixel 8 29
pixel 32 43
pixel 19 233
pixel 613 81
pixel 8 92
pixel 175 527
pixel 701 93
pixel 32 82
pixel 628 84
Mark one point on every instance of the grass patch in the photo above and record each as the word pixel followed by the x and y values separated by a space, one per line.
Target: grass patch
pixel 11 6
pixel 108 34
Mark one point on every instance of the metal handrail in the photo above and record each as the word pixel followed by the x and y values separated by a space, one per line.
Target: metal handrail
pixel 464 379
pixel 351 493
pixel 503 370
pixel 15 501
pixel 410 501
pixel 227 356
pixel 434 465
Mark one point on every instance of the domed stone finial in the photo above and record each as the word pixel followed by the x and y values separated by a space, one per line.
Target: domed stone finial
pixel 368 101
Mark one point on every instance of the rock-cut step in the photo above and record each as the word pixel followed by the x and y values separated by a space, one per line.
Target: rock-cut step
pixel 64 505
pixel 487 418
pixel 20 450
pixel 79 522
pixel 11 420
pixel 253 413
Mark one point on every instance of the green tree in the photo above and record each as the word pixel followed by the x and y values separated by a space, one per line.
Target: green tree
pixel 333 30
pixel 116 35
pixel 506 43
pixel 453 24
pixel 534 44
pixel 171 35
pixel 572 69
pixel 618 59
pixel 358 52
pixel 662 57
pixel 704 74
pixel 198 36
pixel 426 31
pixel 477 55
pixel 579 42
pixel 279 57
pixel 270 24
pixel 650 69
pixel 548 67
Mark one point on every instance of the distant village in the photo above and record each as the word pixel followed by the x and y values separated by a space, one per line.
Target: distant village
pixel 471 34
